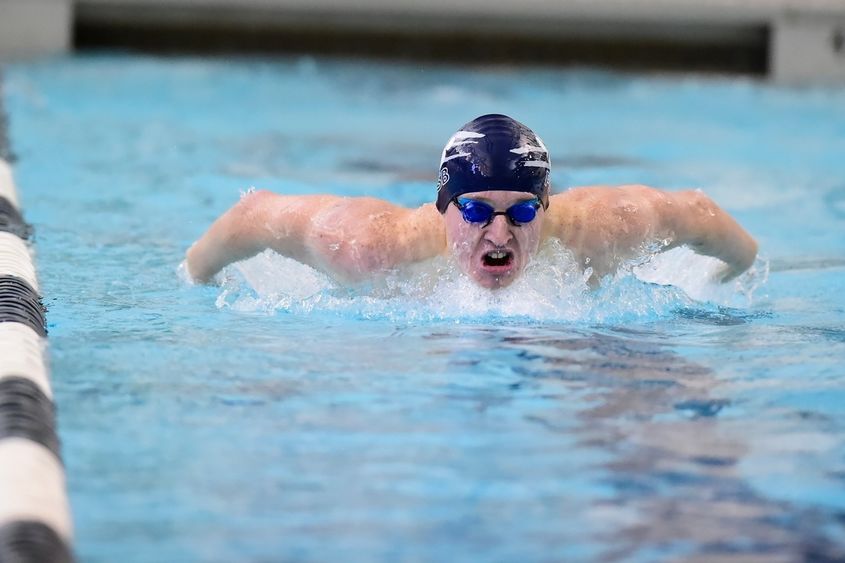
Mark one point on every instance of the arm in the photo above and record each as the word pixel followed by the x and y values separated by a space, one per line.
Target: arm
pixel 606 225
pixel 702 225
pixel 347 237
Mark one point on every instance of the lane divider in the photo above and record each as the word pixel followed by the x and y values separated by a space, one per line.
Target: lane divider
pixel 7 185
pixel 35 523
pixel 19 302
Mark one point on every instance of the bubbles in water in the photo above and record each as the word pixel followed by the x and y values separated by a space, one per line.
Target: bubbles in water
pixel 552 288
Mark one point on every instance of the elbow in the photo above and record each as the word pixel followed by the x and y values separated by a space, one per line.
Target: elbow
pixel 251 203
pixel 231 237
pixel 242 226
pixel 692 217
pixel 712 231
pixel 193 265
pixel 751 249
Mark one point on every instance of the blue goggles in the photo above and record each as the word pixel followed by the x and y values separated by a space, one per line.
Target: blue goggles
pixel 479 212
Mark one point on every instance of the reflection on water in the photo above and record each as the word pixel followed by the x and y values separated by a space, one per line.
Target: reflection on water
pixel 673 452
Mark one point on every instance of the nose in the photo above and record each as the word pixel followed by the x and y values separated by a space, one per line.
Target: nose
pixel 499 231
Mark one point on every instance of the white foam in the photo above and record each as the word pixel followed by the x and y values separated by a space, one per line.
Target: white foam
pixel 697 276
pixel 553 288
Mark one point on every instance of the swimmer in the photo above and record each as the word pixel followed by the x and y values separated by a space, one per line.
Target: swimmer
pixel 492 211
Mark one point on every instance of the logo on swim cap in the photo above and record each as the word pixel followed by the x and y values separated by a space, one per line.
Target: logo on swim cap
pixel 443 179
pixel 493 152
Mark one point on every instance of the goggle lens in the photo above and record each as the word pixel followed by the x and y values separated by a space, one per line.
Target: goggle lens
pixel 523 212
pixel 475 211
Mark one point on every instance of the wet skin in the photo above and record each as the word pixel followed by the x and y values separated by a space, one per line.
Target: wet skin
pixel 354 238
pixel 496 254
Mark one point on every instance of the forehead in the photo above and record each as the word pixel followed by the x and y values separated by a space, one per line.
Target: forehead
pixel 500 197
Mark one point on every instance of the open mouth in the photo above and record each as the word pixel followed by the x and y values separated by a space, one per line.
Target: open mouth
pixel 497 259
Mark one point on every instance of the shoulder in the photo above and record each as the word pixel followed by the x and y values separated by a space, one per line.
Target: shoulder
pixel 589 199
pixel 584 209
pixel 608 195
pixel 264 204
pixel 358 236
pixel 363 214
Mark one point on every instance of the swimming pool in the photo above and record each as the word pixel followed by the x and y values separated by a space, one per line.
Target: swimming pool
pixel 420 419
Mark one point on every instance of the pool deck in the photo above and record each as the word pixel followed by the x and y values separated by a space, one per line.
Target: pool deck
pixel 795 32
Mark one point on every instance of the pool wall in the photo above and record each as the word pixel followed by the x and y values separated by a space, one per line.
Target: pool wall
pixel 35 524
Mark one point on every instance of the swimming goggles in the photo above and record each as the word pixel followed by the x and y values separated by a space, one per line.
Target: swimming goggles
pixel 479 212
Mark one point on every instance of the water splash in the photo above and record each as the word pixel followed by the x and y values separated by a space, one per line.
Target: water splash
pixel 552 288
pixel 698 276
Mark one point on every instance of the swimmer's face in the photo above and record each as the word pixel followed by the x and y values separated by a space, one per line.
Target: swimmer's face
pixel 493 255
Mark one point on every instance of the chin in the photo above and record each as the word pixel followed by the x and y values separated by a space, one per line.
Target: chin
pixel 494 281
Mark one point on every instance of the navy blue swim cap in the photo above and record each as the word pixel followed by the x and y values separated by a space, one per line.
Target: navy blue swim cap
pixel 493 152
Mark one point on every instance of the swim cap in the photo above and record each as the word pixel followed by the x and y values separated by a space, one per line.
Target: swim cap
pixel 493 152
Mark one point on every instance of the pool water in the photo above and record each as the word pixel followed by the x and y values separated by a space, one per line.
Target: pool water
pixel 281 417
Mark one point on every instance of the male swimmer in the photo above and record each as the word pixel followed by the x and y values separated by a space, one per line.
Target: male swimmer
pixel 492 211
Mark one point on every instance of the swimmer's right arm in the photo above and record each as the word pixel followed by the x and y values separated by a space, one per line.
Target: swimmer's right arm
pixel 346 237
pixel 259 220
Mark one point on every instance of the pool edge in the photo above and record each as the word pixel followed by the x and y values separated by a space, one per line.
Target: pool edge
pixel 35 522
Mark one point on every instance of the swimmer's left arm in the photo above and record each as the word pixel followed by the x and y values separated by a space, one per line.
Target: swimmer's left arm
pixel 698 222
pixel 607 225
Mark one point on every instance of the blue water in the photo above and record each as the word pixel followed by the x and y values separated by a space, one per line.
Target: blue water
pixel 279 417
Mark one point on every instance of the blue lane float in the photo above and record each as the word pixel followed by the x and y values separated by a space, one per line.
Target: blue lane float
pixel 35 524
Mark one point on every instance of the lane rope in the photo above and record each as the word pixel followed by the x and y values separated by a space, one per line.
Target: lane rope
pixel 35 523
